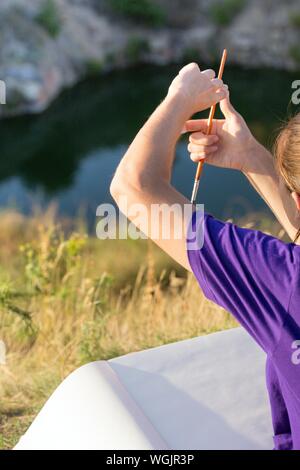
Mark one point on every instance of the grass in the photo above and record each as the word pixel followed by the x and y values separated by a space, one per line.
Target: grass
pixel 67 299
pixel 223 12
pixel 49 17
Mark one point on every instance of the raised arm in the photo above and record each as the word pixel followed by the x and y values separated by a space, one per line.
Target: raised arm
pixel 144 174
pixel 272 189
pixel 232 145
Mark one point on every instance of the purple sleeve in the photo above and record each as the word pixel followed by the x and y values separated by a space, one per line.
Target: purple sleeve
pixel 246 272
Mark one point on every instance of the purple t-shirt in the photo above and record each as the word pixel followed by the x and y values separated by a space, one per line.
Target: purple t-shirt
pixel 256 277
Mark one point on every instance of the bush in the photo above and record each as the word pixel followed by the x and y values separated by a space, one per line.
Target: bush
pixel 295 19
pixel 136 47
pixel 93 67
pixel 90 300
pixel 191 54
pixel 51 259
pixel 49 17
pixel 140 10
pixel 295 53
pixel 223 13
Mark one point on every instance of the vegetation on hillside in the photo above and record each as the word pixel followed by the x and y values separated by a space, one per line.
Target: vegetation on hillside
pixel 67 299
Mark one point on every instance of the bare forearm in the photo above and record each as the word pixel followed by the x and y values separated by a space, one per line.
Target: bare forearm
pixel 144 174
pixel 151 154
pixel 143 177
pixel 265 181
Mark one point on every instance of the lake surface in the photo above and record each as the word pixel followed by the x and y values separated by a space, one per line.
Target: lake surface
pixel 69 153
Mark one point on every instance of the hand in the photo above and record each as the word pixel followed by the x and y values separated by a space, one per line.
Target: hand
pixel 230 144
pixel 198 90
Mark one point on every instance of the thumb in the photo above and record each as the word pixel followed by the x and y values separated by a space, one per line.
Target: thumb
pixel 227 108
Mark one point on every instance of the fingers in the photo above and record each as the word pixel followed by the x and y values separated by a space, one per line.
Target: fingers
pixel 217 83
pixel 213 96
pixel 201 145
pixel 198 138
pixel 195 67
pixel 200 125
pixel 199 152
pixel 209 73
pixel 189 68
pixel 227 108
pixel 198 156
pixel 200 88
pixel 195 125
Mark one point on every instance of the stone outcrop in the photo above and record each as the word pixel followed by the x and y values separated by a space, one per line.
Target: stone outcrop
pixel 47 45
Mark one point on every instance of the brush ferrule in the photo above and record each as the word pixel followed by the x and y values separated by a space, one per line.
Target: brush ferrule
pixel 195 191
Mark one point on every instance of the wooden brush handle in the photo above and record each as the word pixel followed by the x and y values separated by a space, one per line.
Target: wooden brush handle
pixel 209 128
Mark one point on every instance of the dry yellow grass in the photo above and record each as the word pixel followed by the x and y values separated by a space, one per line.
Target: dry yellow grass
pixel 68 300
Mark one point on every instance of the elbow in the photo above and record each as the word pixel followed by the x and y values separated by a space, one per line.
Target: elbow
pixel 120 186
pixel 130 183
pixel 115 187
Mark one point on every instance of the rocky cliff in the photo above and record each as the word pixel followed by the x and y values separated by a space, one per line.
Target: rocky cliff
pixel 46 45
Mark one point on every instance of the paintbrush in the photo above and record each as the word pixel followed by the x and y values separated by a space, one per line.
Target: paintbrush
pixel 209 127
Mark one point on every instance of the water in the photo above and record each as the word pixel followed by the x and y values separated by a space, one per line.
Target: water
pixel 69 153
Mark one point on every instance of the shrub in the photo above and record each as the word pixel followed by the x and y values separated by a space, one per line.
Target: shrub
pixel 140 10
pixel 223 13
pixel 136 47
pixel 295 19
pixel 51 259
pixel 94 67
pixel 49 17
pixel 191 54
pixel 80 313
pixel 110 58
pixel 295 53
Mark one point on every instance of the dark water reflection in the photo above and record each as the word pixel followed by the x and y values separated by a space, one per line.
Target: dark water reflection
pixel 69 153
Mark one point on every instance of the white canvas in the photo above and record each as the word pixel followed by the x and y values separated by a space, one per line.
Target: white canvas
pixel 203 393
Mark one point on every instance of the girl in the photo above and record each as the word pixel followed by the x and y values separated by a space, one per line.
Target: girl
pixel 250 274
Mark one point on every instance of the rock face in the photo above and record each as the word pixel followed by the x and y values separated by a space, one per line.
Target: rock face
pixel 46 45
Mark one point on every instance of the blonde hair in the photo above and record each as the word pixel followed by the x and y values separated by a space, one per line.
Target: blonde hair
pixel 287 156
